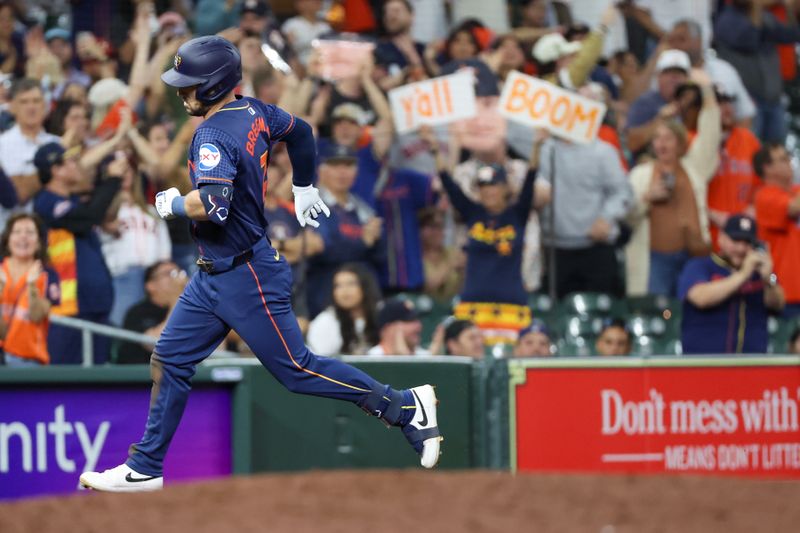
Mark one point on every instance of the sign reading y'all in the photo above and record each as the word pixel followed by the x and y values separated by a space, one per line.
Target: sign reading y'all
pixel 433 102
pixel 539 104
pixel 723 420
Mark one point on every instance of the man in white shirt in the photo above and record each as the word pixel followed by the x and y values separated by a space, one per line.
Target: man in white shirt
pixel 305 27
pixel 687 35
pixel 430 20
pixel 666 13
pixel 400 329
pixel 19 144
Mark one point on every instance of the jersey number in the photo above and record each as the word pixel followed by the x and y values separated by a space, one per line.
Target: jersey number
pixel 264 162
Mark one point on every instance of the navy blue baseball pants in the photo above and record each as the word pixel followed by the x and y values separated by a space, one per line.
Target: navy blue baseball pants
pixel 255 300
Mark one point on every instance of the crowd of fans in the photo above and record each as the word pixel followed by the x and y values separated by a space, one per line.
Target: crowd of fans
pixel 688 193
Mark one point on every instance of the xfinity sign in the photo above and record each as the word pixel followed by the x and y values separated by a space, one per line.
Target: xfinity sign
pixel 30 446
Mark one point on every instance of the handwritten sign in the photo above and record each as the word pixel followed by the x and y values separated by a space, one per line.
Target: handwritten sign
pixel 540 104
pixel 341 59
pixel 437 101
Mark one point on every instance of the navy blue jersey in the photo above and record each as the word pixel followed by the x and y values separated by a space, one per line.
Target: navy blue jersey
pixel 494 248
pixel 232 149
pixel 736 325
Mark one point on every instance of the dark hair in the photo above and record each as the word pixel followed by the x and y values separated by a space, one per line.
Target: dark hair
pixel 41 231
pixel 615 322
pixel 763 157
pixel 428 215
pixel 55 122
pixel 455 328
pixel 576 30
pixel 406 3
pixel 150 271
pixel 369 304
pixel 24 85
pixel 465 27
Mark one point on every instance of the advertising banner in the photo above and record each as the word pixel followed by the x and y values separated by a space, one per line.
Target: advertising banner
pixel 741 420
pixel 436 101
pixel 539 104
pixel 49 436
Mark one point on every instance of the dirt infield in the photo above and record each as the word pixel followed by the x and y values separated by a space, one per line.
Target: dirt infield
pixel 410 501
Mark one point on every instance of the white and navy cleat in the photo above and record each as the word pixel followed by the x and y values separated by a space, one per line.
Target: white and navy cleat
pixel 121 479
pixel 423 430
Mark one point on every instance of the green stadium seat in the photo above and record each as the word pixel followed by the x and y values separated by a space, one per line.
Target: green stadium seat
pixel 588 304
pixel 541 303
pixel 575 346
pixel 779 331
pixel 645 345
pixel 651 304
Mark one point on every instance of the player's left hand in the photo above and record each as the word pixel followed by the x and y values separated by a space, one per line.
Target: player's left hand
pixel 164 202
pixel 308 206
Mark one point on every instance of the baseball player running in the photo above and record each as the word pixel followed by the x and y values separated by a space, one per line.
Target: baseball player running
pixel 243 283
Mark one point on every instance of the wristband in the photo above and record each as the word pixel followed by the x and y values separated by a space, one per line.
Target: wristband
pixel 179 206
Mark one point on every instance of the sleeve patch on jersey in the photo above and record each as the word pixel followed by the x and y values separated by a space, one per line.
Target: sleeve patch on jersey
pixel 208 157
pixel 61 208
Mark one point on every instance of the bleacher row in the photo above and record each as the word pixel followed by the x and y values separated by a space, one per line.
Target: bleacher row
pixel 654 322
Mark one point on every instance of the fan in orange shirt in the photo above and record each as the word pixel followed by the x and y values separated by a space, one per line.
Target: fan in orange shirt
pixel 777 212
pixel 27 291
pixel 733 187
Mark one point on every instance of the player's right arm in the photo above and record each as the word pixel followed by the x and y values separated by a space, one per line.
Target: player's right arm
pixel 216 156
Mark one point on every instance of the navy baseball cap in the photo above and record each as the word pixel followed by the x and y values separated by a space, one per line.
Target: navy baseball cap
pixel 45 157
pixel 485 80
pixel 396 310
pixel 537 326
pixel 741 228
pixel 337 153
pixel 492 174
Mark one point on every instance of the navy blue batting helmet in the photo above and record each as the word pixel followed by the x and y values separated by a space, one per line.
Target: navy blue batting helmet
pixel 212 63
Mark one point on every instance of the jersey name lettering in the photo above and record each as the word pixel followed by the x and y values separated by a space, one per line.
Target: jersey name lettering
pixel 256 128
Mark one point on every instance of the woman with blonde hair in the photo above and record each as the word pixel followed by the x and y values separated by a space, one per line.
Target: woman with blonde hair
pixel 669 218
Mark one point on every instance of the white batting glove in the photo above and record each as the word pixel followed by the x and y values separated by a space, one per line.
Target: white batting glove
pixel 308 206
pixel 164 202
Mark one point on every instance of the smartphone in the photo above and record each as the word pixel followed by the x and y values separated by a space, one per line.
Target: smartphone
pixel 669 181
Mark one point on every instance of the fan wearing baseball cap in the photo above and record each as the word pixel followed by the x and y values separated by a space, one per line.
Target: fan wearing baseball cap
pixel 493 297
pixel 74 247
pixel 400 329
pixel 672 71
pixel 727 296
pixel 569 64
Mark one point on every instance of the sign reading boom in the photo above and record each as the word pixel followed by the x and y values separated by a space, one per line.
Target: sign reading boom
pixel 437 101
pixel 540 104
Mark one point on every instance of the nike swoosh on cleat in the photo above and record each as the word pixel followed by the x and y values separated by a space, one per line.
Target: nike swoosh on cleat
pixel 424 421
pixel 131 479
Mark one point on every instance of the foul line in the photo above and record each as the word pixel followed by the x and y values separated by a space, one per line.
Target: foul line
pixel 631 457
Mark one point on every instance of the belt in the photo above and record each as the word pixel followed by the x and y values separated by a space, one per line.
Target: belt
pixel 216 267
